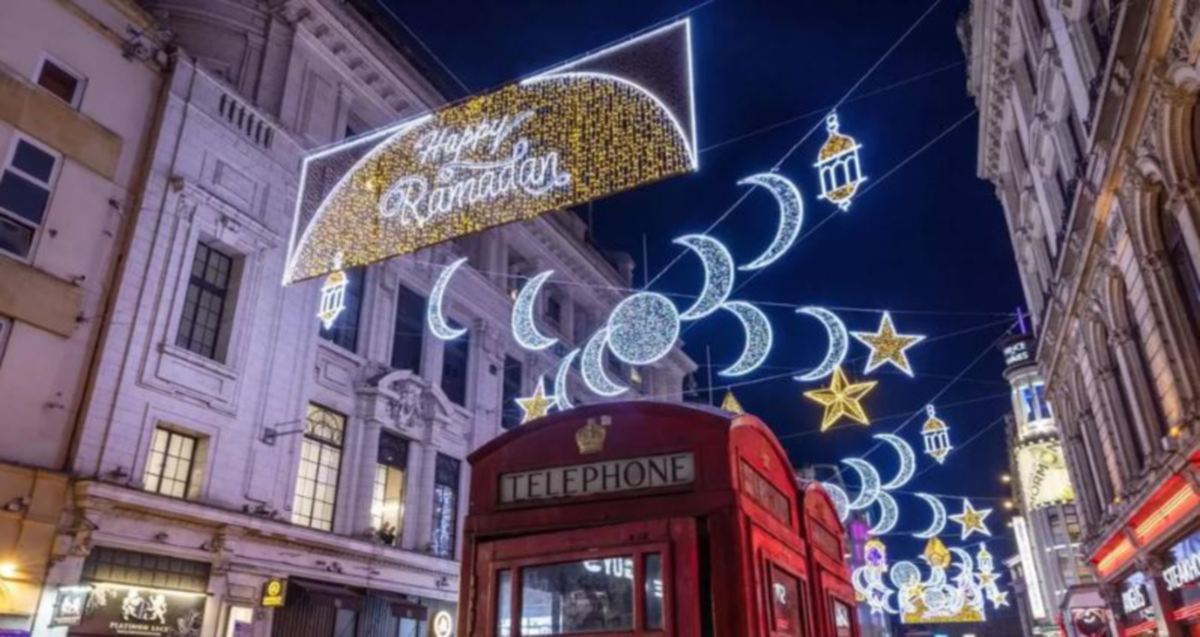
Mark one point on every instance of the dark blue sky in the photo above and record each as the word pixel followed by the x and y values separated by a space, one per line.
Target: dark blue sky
pixel 928 241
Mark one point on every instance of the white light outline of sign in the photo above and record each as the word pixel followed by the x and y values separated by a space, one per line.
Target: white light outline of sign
pixel 562 69
pixel 396 132
pixel 593 75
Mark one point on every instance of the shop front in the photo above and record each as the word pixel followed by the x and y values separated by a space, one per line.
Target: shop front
pixel 1138 616
pixel 326 609
pixel 127 593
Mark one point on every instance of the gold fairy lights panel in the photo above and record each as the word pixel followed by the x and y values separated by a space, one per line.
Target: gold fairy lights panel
pixel 607 122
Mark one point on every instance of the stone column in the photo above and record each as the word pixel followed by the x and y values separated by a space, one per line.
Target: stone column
pixel 368 457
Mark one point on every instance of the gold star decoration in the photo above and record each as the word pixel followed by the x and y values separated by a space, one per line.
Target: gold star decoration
pixel 841 398
pixel 888 346
pixel 972 519
pixel 986 579
pixel 537 405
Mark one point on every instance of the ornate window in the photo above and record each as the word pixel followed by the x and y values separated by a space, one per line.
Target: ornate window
pixel 409 331
pixel 320 464
pixel 513 375
pixel 1182 269
pixel 204 306
pixel 445 506
pixel 456 357
pixel 172 464
pixel 387 503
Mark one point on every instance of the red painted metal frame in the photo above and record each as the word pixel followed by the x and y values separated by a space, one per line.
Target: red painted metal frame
pixel 743 513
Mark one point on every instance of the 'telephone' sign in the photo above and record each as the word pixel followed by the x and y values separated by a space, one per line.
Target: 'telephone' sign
pixel 612 476
pixel 607 122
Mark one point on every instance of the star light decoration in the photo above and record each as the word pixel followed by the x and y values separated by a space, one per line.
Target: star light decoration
pixel 888 346
pixel 841 398
pixel 972 520
pixel 537 405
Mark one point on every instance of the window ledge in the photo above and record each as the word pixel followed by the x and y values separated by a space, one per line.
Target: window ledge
pixel 206 364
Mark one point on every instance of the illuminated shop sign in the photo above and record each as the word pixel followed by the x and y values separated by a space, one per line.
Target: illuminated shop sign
pixel 1136 609
pixel 611 476
pixel 69 605
pixel 114 609
pixel 604 123
pixel 1018 352
pixel 1181 576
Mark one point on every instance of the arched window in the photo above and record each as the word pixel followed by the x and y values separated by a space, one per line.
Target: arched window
pixel 1158 427
pixel 1126 421
pixel 1182 270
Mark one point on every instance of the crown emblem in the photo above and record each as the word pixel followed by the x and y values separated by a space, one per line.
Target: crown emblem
pixel 590 437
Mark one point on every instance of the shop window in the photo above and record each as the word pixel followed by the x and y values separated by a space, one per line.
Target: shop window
pixel 445 506
pixel 240 622
pixel 173 467
pixel 578 597
pixel 118 566
pixel 204 325
pixel 652 589
pixel 785 602
pixel 409 331
pixel 64 84
pixel 320 464
pixel 455 358
pixel 510 411
pixel 344 331
pixel 387 503
pixel 25 187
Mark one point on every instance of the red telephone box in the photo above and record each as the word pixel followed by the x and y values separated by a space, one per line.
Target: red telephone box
pixel 647 519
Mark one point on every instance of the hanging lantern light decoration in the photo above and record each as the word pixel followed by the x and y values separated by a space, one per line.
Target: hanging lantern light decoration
pixel 333 295
pixel 936 434
pixel 838 166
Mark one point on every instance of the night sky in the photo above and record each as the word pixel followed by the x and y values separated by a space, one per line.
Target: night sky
pixel 928 241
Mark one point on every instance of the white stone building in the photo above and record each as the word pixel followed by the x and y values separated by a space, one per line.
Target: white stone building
pixel 226 440
pixel 1088 129
pixel 79 87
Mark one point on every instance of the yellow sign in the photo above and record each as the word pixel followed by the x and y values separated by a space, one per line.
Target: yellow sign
pixel 274 593
pixel 1045 480
pixel 604 123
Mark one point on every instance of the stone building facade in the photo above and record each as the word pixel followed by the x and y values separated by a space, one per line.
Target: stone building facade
pixel 1089 130
pixel 80 87
pixel 227 447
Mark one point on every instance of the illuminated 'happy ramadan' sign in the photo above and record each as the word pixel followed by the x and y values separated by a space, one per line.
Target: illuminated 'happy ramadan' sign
pixel 604 123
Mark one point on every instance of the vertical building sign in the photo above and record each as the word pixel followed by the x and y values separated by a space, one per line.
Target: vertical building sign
pixel 1033 584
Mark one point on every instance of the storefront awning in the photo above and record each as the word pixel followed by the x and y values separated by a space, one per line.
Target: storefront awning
pixel 403 607
pixel 329 594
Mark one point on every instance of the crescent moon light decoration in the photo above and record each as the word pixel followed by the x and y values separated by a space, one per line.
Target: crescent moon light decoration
pixel 791 216
pixel 841 502
pixel 939 517
pixel 433 313
pixel 868 479
pixel 591 366
pixel 839 343
pixel 967 564
pixel 758 338
pixel 908 460
pixel 718 274
pixel 524 328
pixel 889 514
pixel 561 400
pixel 643 328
